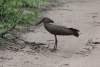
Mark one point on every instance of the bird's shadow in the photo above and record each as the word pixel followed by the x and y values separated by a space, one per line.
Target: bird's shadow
pixel 39 48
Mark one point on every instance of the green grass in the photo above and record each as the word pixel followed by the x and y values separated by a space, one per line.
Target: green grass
pixel 12 10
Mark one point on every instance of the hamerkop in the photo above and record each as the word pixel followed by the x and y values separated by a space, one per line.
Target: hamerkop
pixel 57 30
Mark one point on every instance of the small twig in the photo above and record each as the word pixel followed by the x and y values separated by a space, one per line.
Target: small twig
pixel 9 30
pixel 66 9
pixel 23 39
pixel 27 42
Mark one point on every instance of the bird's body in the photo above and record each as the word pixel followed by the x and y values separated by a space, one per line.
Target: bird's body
pixel 58 30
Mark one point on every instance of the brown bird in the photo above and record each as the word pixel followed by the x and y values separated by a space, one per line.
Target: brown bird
pixel 57 30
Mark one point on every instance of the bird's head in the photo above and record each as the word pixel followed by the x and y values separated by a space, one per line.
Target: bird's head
pixel 46 20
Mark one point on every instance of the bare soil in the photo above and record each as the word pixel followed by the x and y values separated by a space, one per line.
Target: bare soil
pixel 83 51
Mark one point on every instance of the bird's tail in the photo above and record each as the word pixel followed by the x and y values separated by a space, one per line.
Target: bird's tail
pixel 76 31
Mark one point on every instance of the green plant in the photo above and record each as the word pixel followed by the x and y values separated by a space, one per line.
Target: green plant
pixel 13 10
pixel 10 11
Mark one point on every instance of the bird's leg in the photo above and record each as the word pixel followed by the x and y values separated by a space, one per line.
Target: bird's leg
pixel 56 41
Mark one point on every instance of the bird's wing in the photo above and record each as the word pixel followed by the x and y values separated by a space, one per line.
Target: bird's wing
pixel 59 30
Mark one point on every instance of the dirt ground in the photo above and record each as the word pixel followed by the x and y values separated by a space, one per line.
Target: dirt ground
pixel 83 51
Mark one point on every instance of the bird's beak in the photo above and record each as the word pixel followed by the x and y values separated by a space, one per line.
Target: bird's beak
pixel 39 22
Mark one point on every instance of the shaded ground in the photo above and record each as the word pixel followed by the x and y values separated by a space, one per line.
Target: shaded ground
pixel 72 52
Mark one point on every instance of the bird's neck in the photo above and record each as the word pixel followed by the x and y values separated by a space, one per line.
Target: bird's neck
pixel 47 25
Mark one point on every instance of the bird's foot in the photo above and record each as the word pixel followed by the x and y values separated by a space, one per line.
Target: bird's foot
pixel 53 50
